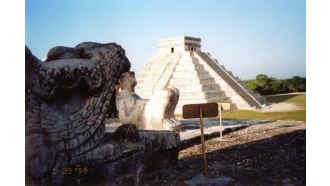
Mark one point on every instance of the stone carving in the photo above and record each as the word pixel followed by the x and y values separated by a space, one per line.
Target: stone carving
pixel 67 100
pixel 154 114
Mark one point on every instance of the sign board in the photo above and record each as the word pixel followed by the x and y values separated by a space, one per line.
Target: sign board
pixel 193 110
pixel 200 111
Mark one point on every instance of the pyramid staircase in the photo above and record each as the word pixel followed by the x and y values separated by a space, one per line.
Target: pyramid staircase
pixel 199 78
pixel 195 83
pixel 254 100
pixel 155 74
pixel 183 71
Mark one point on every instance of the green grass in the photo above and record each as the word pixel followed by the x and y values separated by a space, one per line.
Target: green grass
pixel 298 100
pixel 298 115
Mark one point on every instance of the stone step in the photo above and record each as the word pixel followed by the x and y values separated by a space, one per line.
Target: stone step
pixel 181 103
pixel 141 76
pixel 191 74
pixel 195 60
pixel 227 107
pixel 213 92
pixel 146 90
pixel 151 73
pixel 186 54
pixel 198 87
pixel 158 59
pixel 216 60
pixel 195 101
pixel 187 57
pixel 186 81
pixel 230 73
pixel 156 75
pixel 152 62
pixel 185 62
pixel 223 67
pixel 148 69
pixel 190 63
pixel 144 84
pixel 189 67
pixel 202 95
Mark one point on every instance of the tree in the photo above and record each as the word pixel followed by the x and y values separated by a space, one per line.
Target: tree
pixel 296 84
pixel 252 84
pixel 267 85
pixel 279 87
pixel 264 84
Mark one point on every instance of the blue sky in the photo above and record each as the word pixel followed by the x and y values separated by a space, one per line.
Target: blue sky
pixel 248 37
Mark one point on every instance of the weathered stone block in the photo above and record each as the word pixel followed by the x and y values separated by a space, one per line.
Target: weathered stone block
pixel 161 149
pixel 154 114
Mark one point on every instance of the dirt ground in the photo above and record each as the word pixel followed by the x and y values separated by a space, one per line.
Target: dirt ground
pixel 278 107
pixel 265 154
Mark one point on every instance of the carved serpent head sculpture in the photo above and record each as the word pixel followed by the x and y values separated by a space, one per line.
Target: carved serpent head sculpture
pixel 67 99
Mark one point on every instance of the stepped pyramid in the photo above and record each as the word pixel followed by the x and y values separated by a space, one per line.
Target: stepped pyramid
pixel 180 63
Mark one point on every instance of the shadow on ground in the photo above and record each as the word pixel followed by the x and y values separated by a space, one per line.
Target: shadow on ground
pixel 279 99
pixel 278 160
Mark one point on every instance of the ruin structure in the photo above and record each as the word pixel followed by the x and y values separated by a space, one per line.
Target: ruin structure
pixel 199 78
pixel 67 99
pixel 156 113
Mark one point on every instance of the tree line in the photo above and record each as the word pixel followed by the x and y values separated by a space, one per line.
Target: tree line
pixel 265 85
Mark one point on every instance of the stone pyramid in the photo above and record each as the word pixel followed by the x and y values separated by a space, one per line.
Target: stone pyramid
pixel 180 63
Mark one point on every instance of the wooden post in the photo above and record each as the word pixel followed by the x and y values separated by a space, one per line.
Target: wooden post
pixel 220 122
pixel 200 111
pixel 220 118
pixel 202 140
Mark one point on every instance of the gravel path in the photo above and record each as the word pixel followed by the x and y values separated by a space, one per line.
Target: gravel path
pixel 272 153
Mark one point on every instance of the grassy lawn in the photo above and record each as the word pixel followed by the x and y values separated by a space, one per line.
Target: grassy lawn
pixel 299 115
pixel 298 100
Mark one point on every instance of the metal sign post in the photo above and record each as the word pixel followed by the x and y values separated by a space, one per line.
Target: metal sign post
pixel 200 111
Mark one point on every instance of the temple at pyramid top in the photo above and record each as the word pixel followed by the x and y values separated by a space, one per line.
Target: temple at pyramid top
pixel 181 63
pixel 179 44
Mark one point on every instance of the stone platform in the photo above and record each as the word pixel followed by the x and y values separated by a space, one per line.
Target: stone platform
pixel 160 148
pixel 190 131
